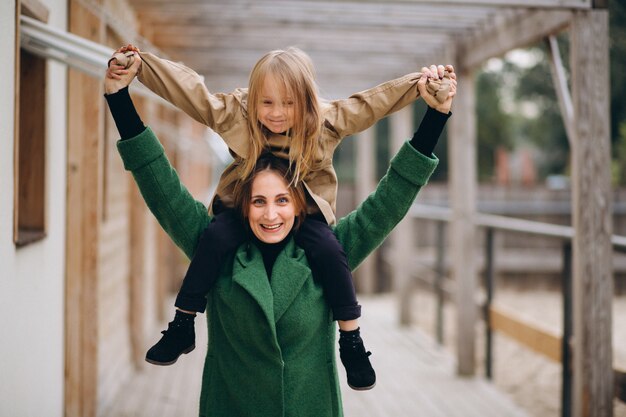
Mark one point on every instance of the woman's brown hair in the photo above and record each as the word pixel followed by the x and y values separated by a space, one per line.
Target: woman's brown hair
pixel 292 69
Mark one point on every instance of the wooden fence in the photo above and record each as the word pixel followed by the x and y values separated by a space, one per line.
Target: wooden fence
pixel 555 346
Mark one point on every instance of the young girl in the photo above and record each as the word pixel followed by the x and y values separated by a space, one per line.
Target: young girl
pixel 279 112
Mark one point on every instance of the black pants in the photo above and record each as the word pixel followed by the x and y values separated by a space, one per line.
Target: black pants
pixel 226 233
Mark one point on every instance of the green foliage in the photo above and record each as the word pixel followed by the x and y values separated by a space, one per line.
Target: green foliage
pixel 504 95
pixel 494 125
pixel 546 131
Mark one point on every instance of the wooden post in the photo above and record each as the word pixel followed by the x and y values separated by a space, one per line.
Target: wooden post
pixel 401 127
pixel 489 289
pixel 365 174
pixel 462 162
pixel 83 227
pixel 440 271
pixel 566 347
pixel 137 280
pixel 591 206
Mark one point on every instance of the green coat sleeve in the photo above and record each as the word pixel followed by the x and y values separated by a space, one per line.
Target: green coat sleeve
pixel 181 216
pixel 363 230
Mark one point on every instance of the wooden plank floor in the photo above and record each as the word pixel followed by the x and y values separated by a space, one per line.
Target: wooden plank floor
pixel 415 378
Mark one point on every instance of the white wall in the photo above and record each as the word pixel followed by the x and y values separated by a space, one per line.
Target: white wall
pixel 32 278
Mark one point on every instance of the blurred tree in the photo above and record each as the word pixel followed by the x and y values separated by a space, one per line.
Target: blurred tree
pixel 503 121
pixel 546 130
pixel 494 126
pixel 518 107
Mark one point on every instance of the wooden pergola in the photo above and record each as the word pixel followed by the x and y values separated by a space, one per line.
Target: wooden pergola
pixel 358 44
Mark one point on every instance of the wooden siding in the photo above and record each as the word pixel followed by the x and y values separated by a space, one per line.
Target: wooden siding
pixel 114 346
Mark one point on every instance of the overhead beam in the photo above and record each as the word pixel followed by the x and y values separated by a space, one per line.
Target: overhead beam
pixel 335 62
pixel 520 32
pixel 549 4
pixel 244 57
pixel 318 13
pixel 185 36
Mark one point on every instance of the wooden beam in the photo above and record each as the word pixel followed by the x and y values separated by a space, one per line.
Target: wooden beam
pixel 531 335
pixel 536 4
pixel 330 15
pixel 16 115
pixel 83 227
pixel 402 241
pixel 191 37
pixel 35 9
pixel 463 183
pixel 520 31
pixel 559 79
pixel 138 215
pixel 546 4
pixel 592 216
pixel 365 165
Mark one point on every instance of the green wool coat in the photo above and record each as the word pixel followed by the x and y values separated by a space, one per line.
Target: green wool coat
pixel 271 348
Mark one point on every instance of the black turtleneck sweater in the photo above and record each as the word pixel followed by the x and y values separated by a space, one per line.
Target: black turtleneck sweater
pixel 269 251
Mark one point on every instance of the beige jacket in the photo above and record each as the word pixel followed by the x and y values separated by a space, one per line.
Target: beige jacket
pixel 226 114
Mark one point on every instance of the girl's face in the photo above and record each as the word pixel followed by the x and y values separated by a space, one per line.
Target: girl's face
pixel 272 209
pixel 275 107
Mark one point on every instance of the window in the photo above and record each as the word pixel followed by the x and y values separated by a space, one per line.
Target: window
pixel 30 141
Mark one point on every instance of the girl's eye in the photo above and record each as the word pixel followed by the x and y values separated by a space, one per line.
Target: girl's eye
pixel 267 102
pixel 289 103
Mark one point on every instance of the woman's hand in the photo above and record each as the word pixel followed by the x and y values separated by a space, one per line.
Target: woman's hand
pixel 118 77
pixel 437 72
pixel 120 61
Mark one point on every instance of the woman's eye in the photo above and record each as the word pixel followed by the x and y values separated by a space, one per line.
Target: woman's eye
pixel 289 103
pixel 283 200
pixel 267 102
pixel 258 202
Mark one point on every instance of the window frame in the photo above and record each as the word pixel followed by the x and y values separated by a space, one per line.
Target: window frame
pixel 30 135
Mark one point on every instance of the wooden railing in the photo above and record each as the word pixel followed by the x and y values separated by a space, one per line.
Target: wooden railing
pixel 557 347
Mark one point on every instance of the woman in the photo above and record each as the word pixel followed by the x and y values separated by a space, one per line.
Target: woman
pixel 271 332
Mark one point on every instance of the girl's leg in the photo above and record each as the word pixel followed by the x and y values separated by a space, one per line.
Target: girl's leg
pixel 329 265
pixel 221 237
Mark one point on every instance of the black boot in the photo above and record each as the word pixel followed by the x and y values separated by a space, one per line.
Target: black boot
pixel 179 338
pixel 355 359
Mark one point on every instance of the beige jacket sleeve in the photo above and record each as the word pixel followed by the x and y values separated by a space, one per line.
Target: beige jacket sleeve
pixel 185 89
pixel 361 110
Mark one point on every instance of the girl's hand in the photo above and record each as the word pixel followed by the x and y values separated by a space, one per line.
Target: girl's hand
pixel 437 72
pixel 121 60
pixel 123 77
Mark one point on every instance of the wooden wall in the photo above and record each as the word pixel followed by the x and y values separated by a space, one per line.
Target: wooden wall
pixel 121 268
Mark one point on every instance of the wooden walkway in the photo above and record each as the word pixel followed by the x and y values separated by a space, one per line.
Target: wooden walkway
pixel 415 378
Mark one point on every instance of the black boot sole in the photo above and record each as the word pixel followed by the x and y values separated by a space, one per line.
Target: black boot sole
pixel 363 388
pixel 154 362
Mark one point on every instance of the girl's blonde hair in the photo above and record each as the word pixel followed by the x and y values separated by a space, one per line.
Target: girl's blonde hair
pixel 294 70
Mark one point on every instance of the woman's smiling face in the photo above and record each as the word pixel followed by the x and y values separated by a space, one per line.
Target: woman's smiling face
pixel 272 210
